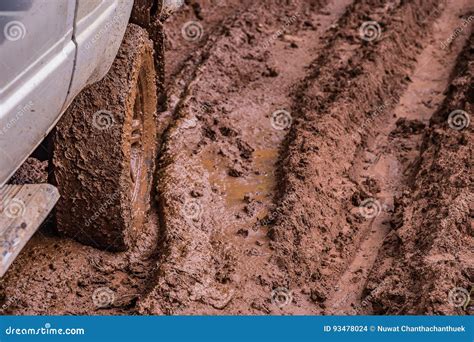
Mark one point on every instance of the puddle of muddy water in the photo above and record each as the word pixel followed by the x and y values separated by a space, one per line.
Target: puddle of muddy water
pixel 258 185
pixel 247 200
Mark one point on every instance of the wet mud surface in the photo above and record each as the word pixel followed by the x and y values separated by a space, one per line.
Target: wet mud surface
pixel 315 157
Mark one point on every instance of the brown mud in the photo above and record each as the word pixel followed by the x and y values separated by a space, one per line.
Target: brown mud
pixel 119 142
pixel 428 256
pixel 304 168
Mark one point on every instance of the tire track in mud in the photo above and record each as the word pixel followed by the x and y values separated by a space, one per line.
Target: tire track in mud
pixel 55 275
pixel 236 237
pixel 426 263
pixel 183 58
pixel 211 15
pixel 351 88
pixel 221 154
pixel 386 161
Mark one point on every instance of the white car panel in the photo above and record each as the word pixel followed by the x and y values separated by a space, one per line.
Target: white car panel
pixel 100 27
pixel 36 65
pixel 49 51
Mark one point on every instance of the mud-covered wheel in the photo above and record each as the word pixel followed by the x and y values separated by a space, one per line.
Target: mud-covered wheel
pixel 105 148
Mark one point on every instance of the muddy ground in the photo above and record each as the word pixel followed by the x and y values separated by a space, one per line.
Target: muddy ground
pixel 315 158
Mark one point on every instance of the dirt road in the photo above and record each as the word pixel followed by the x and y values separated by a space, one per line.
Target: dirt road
pixel 316 158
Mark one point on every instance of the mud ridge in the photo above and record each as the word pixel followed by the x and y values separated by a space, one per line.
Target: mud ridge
pixel 205 133
pixel 426 263
pixel 353 85
pixel 306 166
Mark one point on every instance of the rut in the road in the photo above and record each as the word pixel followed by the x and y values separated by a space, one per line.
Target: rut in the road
pixel 223 152
pixel 353 84
pixel 426 263
pixel 392 150
pixel 291 177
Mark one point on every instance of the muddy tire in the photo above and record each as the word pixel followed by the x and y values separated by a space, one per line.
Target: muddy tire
pixel 104 151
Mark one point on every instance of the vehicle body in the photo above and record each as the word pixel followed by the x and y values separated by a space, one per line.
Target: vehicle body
pixel 49 51
pixel 51 54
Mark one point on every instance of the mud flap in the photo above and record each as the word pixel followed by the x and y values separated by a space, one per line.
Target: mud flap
pixel 23 208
